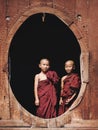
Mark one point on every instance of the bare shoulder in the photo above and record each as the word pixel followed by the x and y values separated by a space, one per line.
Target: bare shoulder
pixel 63 77
pixel 37 76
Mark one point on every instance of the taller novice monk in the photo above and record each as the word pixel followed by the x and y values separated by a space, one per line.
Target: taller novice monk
pixel 45 90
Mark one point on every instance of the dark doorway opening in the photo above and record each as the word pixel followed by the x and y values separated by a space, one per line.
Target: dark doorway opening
pixel 33 40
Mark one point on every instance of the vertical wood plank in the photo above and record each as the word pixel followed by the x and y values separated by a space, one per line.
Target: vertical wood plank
pixel 4 93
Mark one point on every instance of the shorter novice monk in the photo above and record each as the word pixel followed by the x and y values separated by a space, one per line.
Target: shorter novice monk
pixel 70 85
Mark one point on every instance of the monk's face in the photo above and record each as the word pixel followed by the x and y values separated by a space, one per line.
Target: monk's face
pixel 69 66
pixel 44 65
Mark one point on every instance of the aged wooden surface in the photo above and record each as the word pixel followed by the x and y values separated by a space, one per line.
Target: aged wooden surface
pixel 81 17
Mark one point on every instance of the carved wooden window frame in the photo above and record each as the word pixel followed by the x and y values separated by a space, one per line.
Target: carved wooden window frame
pixel 84 64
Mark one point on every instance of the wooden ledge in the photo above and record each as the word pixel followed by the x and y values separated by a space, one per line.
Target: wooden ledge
pixel 75 124
pixel 13 123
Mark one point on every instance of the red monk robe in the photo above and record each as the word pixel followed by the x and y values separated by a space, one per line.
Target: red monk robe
pixel 47 96
pixel 71 86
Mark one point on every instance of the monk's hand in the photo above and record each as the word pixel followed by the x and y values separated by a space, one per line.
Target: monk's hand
pixel 37 102
pixel 67 101
pixel 61 101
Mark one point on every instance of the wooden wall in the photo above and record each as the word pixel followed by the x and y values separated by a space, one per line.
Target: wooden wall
pixel 81 16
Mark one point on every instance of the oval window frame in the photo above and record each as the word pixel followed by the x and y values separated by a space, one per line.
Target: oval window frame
pixel 84 63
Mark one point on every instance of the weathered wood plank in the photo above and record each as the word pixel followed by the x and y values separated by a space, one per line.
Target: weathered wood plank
pixel 12 123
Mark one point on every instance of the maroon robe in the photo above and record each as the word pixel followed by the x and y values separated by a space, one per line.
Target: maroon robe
pixel 71 86
pixel 47 96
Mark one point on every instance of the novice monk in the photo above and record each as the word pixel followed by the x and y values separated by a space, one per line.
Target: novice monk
pixel 70 85
pixel 45 90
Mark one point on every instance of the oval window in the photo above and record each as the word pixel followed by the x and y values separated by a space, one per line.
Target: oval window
pixel 41 35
